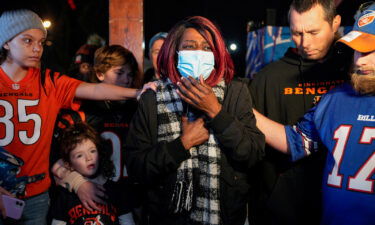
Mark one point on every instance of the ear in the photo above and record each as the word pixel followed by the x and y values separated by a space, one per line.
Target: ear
pixel 336 23
pixel 6 46
pixel 100 76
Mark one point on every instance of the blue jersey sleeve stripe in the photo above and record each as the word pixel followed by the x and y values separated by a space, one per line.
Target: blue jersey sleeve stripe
pixel 299 144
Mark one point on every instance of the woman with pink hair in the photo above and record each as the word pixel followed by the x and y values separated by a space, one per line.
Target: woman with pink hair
pixel 192 142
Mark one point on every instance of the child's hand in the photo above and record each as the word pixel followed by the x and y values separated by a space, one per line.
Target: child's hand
pixel 90 194
pixel 149 85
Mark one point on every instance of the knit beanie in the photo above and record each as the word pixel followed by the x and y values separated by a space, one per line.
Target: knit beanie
pixel 14 22
pixel 158 36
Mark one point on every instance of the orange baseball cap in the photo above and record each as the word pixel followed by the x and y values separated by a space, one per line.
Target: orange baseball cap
pixel 362 37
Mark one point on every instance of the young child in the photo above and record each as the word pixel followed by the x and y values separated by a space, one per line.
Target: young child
pixel 82 151
pixel 113 64
pixel 31 99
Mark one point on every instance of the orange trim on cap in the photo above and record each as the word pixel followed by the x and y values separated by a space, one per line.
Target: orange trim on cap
pixel 363 43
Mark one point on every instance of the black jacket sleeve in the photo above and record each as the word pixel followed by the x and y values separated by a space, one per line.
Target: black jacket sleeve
pixel 59 206
pixel 146 159
pixel 235 127
pixel 257 89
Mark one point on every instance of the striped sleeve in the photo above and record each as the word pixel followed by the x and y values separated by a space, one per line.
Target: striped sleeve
pixel 303 137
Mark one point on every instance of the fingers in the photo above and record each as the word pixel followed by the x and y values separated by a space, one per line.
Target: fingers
pixel 102 196
pixel 3 191
pixel 87 206
pixel 94 205
pixel 192 87
pixel 199 121
pixel 150 85
pixel 100 187
pixel 91 195
pixel 193 133
pixel 91 205
pixel 201 85
pixel 182 96
pixel 206 87
pixel 98 199
pixel 201 79
pixel 197 87
pixel 187 93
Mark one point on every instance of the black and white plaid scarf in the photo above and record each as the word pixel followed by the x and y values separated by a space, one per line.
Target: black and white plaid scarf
pixel 198 186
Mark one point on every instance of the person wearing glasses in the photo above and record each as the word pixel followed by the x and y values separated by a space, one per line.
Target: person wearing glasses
pixel 287 192
pixel 344 123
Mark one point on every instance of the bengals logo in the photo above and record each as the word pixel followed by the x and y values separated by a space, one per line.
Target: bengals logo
pixel 15 86
pixel 366 19
pixel 94 221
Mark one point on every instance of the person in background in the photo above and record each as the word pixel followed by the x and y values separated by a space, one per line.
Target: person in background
pixel 83 62
pixel 30 100
pixel 115 65
pixel 287 192
pixel 83 151
pixel 343 121
pixel 154 46
pixel 192 142
pixel 84 58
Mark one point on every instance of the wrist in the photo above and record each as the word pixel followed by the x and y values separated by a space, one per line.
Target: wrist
pixel 214 111
pixel 73 181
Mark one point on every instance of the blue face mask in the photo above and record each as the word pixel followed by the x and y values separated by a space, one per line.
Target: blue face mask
pixel 195 63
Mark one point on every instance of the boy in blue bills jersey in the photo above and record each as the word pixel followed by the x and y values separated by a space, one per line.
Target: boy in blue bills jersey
pixel 343 121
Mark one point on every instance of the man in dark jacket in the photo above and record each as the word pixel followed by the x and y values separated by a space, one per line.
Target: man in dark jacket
pixel 285 192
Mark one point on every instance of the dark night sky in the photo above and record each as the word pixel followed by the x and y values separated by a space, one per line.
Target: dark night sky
pixel 71 27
